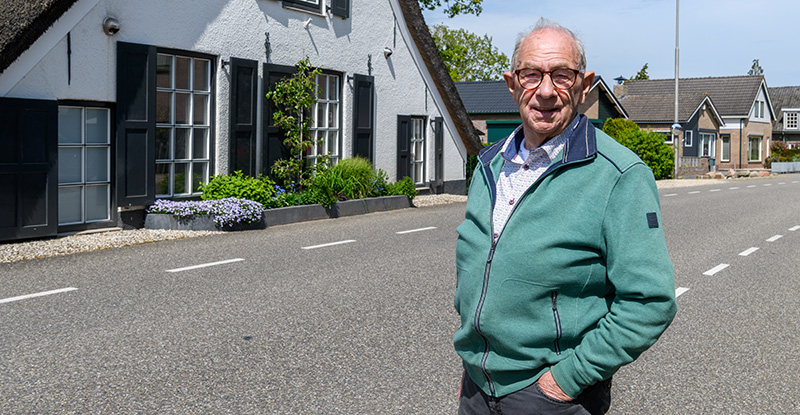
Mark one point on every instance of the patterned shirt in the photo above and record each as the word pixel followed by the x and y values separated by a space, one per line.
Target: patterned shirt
pixel 521 169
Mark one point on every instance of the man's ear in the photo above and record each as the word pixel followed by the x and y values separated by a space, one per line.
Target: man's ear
pixel 509 78
pixel 588 81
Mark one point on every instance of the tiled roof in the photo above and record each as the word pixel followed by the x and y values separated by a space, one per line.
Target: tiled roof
pixel 732 95
pixel 487 97
pixel 783 97
pixel 23 21
pixel 661 107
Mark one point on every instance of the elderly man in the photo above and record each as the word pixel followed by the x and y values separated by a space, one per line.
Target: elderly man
pixel 563 271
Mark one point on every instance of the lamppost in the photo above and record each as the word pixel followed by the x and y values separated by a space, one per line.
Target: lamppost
pixel 676 128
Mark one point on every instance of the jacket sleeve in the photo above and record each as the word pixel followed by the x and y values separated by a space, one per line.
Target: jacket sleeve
pixel 640 271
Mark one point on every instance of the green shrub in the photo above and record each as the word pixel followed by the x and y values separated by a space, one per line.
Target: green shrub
pixel 615 127
pixel 237 185
pixel 650 147
pixel 380 185
pixel 351 178
pixel 403 187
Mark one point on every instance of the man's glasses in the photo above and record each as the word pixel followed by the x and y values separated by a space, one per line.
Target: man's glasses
pixel 562 78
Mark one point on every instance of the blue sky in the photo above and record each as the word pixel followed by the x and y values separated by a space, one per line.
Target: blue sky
pixel 717 38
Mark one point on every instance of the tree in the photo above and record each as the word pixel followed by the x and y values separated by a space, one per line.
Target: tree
pixel 469 57
pixel 454 7
pixel 756 69
pixel 642 75
pixel 292 97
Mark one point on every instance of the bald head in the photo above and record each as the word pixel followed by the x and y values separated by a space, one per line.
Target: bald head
pixel 547 25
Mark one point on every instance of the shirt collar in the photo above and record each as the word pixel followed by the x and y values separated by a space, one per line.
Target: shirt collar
pixel 511 149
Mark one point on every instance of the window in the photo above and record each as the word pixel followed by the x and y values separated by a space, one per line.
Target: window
pixel 754 148
pixel 418 150
pixel 667 136
pixel 84 165
pixel 707 145
pixel 758 109
pixel 325 129
pixel 790 120
pixel 183 126
pixel 307 5
pixel 687 138
pixel 726 147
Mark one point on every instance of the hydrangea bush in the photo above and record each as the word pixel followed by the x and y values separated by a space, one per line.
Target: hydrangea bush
pixel 227 212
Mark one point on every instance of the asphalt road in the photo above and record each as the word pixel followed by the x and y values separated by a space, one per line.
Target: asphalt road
pixel 348 316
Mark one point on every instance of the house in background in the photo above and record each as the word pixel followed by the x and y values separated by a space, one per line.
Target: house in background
pixel 495 116
pixel 700 119
pixel 786 125
pixel 107 105
pixel 742 102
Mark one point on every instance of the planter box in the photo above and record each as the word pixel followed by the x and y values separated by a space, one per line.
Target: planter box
pixel 282 216
pixel 195 223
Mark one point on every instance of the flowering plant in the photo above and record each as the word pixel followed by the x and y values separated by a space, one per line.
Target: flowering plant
pixel 227 212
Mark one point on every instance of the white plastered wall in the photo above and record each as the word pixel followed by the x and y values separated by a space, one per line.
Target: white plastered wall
pixel 236 28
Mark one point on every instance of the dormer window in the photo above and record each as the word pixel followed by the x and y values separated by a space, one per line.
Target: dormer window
pixel 790 120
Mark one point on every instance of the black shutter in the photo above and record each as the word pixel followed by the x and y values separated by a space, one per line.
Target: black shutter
pixel 363 116
pixel 341 8
pixel 438 132
pixel 28 173
pixel 244 90
pixel 273 148
pixel 403 146
pixel 136 124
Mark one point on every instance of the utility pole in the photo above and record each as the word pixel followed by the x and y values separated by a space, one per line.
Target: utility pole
pixel 676 126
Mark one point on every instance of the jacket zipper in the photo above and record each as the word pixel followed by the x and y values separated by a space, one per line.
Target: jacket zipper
pixel 554 295
pixel 478 317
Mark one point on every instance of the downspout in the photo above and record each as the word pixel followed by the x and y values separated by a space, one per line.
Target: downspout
pixel 740 143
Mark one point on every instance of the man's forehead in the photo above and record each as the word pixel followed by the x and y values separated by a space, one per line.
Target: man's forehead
pixel 548 43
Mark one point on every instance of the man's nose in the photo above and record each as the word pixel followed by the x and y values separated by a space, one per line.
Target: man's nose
pixel 546 88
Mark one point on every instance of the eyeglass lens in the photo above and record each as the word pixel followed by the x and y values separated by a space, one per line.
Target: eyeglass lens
pixel 562 78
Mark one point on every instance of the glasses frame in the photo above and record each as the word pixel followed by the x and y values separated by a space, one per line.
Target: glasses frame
pixel 547 73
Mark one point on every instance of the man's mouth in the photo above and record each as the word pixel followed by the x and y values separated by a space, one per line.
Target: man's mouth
pixel 547 112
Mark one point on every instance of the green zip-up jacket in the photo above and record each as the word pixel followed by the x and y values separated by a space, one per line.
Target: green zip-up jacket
pixel 579 281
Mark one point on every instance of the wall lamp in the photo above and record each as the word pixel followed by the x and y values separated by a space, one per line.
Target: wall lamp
pixel 387 51
pixel 110 26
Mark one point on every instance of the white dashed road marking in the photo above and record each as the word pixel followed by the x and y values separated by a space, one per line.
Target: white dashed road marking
pixel 416 230
pixel 330 244
pixel 42 294
pixel 774 238
pixel 794 228
pixel 748 251
pixel 679 291
pixel 716 269
pixel 210 264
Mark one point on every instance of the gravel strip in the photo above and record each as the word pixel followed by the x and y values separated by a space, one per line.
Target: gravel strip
pixel 74 244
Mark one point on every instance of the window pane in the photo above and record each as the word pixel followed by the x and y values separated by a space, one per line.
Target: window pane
pixel 162 178
pixel 163 143
pixel 70 165
pixel 201 74
pixel 182 108
pixel 200 143
pixel 181 143
pixel 97 202
pixel 164 71
pixel 181 179
pixel 322 87
pixel 96 164
pixel 69 204
pixel 320 119
pixel 200 109
pixel 97 126
pixel 163 107
pixel 333 143
pixel 334 88
pixel 70 121
pixel 199 175
pixel 333 116
pixel 182 66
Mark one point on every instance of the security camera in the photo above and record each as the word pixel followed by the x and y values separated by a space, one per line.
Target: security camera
pixel 110 26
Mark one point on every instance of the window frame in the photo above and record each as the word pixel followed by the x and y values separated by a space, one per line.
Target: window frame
pixel 687 138
pixel 723 138
pixel 173 125
pixel 305 5
pixel 418 161
pixel 313 154
pixel 710 139
pixel 795 115
pixel 84 224
pixel 750 139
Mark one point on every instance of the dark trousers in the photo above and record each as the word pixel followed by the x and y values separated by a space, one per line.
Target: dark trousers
pixel 595 400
